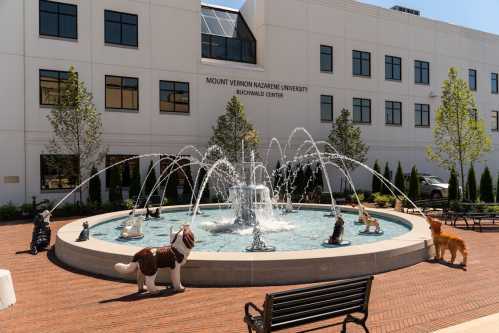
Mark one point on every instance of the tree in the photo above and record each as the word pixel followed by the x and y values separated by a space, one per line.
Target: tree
pixel 205 196
pixel 459 135
pixel 151 180
pixel 453 186
pixel 388 175
pixel 135 183
pixel 414 190
pixel 376 182
pixel 171 187
pixel 471 192
pixel 94 189
pixel 497 189
pixel 188 183
pixel 77 127
pixel 126 178
pixel 347 140
pixel 277 177
pixel 486 186
pixel 399 178
pixel 115 190
pixel 232 128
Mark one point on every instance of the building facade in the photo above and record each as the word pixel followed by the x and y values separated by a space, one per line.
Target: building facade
pixel 162 71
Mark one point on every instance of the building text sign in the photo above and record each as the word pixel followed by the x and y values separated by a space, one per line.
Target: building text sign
pixel 257 88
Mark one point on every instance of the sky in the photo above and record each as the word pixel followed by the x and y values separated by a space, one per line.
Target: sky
pixel 476 14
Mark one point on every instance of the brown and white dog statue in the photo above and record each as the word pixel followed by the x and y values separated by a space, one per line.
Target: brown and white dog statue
pixel 147 261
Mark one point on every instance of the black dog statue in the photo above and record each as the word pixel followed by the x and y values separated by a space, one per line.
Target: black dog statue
pixel 85 233
pixel 40 238
pixel 152 214
pixel 337 236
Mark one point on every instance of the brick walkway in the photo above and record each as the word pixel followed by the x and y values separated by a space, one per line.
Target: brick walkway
pixel 422 298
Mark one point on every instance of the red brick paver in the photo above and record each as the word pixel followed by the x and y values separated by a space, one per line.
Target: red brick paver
pixel 417 299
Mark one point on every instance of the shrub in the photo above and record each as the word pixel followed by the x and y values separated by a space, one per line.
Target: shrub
pixel 486 187
pixel 453 186
pixel 8 212
pixel 94 189
pixel 383 200
pixel 385 189
pixel 361 196
pixel 414 190
pixel 399 178
pixel 135 184
pixel 497 189
pixel 129 204
pixel 471 192
pixel 115 191
pixel 376 183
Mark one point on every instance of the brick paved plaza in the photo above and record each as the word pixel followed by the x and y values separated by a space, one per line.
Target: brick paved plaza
pixel 51 298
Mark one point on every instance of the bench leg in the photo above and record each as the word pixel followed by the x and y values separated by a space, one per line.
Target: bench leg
pixel 352 319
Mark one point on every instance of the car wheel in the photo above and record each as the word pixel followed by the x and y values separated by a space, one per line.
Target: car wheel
pixel 436 195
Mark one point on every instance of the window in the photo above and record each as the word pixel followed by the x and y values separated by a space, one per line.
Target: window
pixel 52 86
pixel 121 28
pixel 126 169
pixel 361 63
pixel 393 113
pixel 182 174
pixel 58 172
pixel 361 111
pixel 326 108
pixel 494 87
pixel 422 72
pixel 393 68
pixel 472 79
pixel 495 121
pixel 58 19
pixel 422 115
pixel 174 96
pixel 326 59
pixel 226 36
pixel 122 93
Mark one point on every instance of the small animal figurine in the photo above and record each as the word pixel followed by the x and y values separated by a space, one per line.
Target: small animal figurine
pixel 337 236
pixel 85 233
pixel 370 222
pixel 40 238
pixel 444 240
pixel 156 214
pixel 147 261
pixel 398 206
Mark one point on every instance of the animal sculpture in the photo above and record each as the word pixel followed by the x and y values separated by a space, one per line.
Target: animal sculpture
pixel 339 227
pixel 40 238
pixel 370 222
pixel 85 233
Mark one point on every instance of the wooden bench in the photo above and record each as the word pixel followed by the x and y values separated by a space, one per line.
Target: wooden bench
pixel 298 307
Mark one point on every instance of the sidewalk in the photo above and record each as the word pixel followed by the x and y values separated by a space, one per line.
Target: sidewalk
pixel 489 324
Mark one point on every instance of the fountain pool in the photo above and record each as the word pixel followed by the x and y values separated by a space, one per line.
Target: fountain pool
pixel 303 230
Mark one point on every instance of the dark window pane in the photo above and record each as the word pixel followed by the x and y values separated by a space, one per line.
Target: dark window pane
pixel 249 51
pixel 129 19
pixel 182 87
pixel 113 33
pixel 49 24
pixel 206 46
pixel 218 50
pixel 67 26
pixel 112 16
pixel 121 28
pixel 48 6
pixel 58 172
pixel 167 85
pixel 174 96
pixel 234 49
pixel 129 34
pixel 130 83
pixel 68 9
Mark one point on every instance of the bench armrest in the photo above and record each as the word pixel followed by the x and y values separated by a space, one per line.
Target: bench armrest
pixel 247 307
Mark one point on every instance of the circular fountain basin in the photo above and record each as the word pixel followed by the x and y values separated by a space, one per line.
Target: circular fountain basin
pixel 220 259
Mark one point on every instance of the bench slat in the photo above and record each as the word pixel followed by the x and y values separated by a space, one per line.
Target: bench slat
pixel 301 293
pixel 277 295
pixel 285 304
pixel 313 305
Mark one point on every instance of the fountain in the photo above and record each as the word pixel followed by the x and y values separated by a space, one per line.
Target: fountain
pixel 252 213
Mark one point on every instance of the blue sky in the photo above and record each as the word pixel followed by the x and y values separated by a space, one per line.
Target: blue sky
pixel 476 14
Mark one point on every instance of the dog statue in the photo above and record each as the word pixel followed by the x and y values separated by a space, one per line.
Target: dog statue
pixel 40 238
pixel 85 233
pixel 147 261
pixel 370 222
pixel 337 236
pixel 444 241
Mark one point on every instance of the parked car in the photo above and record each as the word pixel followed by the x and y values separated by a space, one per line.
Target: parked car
pixel 431 187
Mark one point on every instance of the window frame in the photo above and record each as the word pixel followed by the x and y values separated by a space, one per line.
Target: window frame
pixel 58 35
pixel 494 89
pixel 422 111
pixel 419 68
pixel 121 90
pixel 330 55
pixel 392 109
pixel 362 121
pixel 360 58
pixel 59 80
pixel 121 157
pixel 393 65
pixel 175 102
pixel 472 74
pixel 121 43
pixel 331 104
pixel 495 114
pixel 43 177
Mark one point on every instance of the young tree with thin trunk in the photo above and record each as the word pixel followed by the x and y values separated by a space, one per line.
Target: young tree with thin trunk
pixel 232 129
pixel 77 127
pixel 346 138
pixel 459 136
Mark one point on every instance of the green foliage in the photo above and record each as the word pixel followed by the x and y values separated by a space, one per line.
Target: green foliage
pixel 8 212
pixel 414 189
pixel 129 204
pixel 151 180
pixel 471 192
pixel 376 182
pixel 383 200
pixel 360 195
pixel 399 178
pixel 77 126
pixel 497 189
pixel 171 187
pixel 486 187
pixel 388 175
pixel 115 190
pixel 457 136
pixel 453 186
pixel 231 129
pixel 135 183
pixel 94 189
